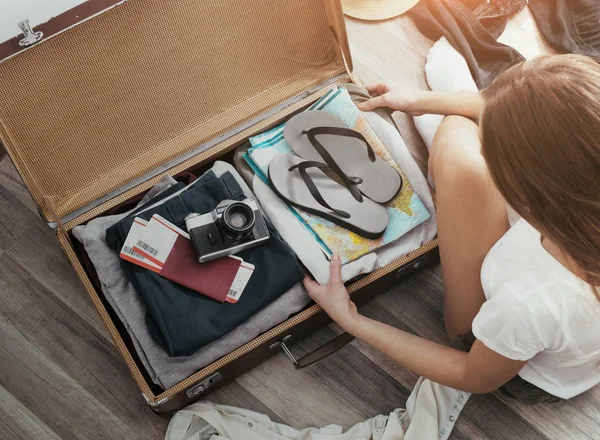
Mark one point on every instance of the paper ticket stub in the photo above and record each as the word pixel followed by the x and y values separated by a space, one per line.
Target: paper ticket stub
pixel 130 254
pixel 239 283
pixel 159 223
pixel 158 240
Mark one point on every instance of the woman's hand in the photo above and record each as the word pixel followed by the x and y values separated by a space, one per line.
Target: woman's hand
pixel 480 371
pixel 419 102
pixel 394 97
pixel 333 296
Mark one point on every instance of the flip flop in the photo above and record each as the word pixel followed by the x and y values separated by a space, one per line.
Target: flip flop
pixel 319 136
pixel 304 184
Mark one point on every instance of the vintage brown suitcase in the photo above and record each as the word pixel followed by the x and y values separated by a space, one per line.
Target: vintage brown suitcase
pixel 99 113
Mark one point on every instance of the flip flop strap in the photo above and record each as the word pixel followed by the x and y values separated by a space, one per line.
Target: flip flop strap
pixel 312 188
pixel 349 181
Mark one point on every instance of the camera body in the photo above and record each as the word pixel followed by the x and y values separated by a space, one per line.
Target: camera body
pixel 232 227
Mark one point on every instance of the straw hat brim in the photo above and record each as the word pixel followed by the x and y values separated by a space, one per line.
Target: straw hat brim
pixel 376 9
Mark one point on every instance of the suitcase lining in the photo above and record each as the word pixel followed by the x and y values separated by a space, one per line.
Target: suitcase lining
pixel 148 93
pixel 207 156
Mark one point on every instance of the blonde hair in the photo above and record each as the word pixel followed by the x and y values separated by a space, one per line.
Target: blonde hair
pixel 540 132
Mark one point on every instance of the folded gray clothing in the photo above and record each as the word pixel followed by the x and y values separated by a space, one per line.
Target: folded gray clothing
pixel 164 370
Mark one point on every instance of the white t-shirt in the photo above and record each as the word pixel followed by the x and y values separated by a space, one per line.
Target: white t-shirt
pixel 538 311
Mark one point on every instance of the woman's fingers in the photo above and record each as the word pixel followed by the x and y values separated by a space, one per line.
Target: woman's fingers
pixel 310 284
pixel 335 278
pixel 378 88
pixel 373 103
pixel 335 270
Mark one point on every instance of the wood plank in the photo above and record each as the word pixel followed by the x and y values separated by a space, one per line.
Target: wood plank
pixel 17 421
pixel 6 432
pixel 342 389
pixel 580 416
pixel 72 412
pixel 11 219
pixel 51 351
pixel 355 378
pixel 296 397
pixel 11 181
pixel 236 395
pixel 33 245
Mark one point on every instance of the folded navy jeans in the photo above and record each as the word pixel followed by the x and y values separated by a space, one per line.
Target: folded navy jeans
pixel 181 320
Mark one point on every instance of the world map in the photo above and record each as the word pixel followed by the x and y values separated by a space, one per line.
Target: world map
pixel 406 211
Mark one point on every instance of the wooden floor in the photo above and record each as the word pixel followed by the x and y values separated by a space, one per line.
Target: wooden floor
pixel 61 377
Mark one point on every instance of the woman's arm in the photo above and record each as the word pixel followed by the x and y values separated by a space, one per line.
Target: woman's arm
pixel 419 102
pixel 479 371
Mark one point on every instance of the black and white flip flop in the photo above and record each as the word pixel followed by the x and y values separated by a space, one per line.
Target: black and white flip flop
pixel 304 184
pixel 316 135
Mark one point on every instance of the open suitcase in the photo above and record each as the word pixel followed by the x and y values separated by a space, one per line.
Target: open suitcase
pixel 100 112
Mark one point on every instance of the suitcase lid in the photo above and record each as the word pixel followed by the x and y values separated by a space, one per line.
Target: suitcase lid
pixel 103 104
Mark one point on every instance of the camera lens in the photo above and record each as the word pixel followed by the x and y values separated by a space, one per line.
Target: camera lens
pixel 238 220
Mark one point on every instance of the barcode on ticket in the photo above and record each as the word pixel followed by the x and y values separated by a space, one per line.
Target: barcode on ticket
pixel 234 294
pixel 131 251
pixel 147 248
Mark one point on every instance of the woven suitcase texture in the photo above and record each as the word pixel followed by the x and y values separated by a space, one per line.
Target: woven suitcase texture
pixel 117 96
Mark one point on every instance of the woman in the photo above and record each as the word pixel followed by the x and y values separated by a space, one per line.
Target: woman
pixel 522 299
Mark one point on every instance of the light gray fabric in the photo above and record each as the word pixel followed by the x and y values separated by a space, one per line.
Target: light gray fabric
pixel 431 412
pixel 164 370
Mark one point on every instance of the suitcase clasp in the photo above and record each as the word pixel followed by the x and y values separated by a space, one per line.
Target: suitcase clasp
pixel 199 388
pixel 30 37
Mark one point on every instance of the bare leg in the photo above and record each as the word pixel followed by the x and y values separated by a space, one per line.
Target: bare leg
pixel 471 218
pixel 446 71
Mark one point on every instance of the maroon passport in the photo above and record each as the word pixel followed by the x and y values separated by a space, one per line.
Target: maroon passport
pixel 212 279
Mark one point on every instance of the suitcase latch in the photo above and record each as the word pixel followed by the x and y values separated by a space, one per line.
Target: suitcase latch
pixel 419 262
pixel 30 36
pixel 199 388
pixel 286 350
